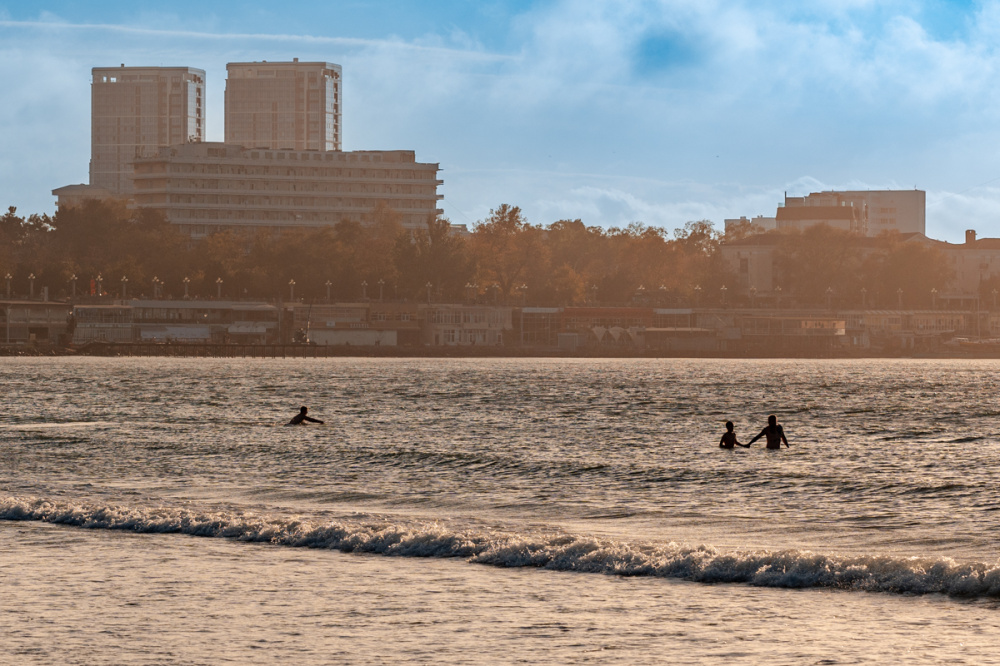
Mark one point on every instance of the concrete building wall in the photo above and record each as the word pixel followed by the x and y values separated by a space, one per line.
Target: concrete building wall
pixel 137 110
pixel 284 105
pixel 207 186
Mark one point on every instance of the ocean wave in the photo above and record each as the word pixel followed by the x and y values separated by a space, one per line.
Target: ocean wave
pixel 555 551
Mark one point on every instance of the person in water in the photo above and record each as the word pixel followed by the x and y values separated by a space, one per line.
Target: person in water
pixel 774 433
pixel 301 418
pixel 729 440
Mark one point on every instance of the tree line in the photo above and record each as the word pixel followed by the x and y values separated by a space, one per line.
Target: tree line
pixel 504 260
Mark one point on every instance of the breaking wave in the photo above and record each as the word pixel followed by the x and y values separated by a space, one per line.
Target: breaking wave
pixel 560 552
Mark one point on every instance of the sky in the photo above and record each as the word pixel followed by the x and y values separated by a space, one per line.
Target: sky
pixel 652 111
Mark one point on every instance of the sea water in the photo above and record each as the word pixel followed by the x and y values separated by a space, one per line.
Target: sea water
pixel 472 511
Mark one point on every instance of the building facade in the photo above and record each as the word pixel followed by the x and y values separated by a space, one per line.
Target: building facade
pixel 878 211
pixel 284 105
pixel 208 186
pixel 137 110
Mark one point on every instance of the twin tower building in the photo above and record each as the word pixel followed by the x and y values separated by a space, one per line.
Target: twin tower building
pixel 281 164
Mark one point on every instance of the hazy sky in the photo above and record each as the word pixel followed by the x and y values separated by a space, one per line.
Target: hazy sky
pixel 613 112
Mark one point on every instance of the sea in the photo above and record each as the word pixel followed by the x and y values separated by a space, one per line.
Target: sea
pixel 472 511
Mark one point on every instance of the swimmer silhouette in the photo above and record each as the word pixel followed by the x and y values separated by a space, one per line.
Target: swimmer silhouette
pixel 729 440
pixel 301 418
pixel 774 433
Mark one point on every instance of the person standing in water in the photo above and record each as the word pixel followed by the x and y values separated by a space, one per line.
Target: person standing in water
pixel 729 440
pixel 774 433
pixel 301 418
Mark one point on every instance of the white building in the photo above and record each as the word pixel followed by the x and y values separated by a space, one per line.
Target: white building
pixel 208 186
pixel 284 105
pixel 137 110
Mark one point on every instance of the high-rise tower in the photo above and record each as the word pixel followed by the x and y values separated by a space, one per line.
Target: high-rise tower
pixel 135 111
pixel 284 105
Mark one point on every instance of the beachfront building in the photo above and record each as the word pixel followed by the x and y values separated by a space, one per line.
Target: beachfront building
pixel 29 321
pixel 284 105
pixel 244 322
pixel 451 325
pixel 206 187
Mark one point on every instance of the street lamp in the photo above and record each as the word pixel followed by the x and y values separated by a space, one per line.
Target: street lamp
pixel 328 284
pixel 99 281
pixel 593 290
pixel 524 292
pixel 428 285
pixel 723 290
pixel 72 282
pixel 124 287
pixel 381 283
pixel 291 290
pixel 156 287
pixel 470 292
pixel 186 282
pixel 934 298
pixel 364 290
pixel 829 297
pixel 864 298
pixel 31 283
pixel 994 292
pixel 218 288
pixel 697 294
pixel 777 296
pixel 8 277
pixel 753 296
pixel 640 292
pixel 899 297
pixel 663 294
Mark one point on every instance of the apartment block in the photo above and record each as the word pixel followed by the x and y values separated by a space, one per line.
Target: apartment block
pixel 208 186
pixel 137 110
pixel 877 211
pixel 284 105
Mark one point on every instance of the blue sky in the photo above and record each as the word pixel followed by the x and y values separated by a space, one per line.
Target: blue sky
pixel 638 110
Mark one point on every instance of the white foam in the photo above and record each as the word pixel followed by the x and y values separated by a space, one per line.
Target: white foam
pixel 789 569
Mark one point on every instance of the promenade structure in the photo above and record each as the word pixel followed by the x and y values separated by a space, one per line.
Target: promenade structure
pixel 284 105
pixel 205 187
pixel 137 110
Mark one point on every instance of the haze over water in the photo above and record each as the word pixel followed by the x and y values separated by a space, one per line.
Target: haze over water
pixel 545 510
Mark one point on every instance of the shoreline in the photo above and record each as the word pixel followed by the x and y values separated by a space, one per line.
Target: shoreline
pixel 347 351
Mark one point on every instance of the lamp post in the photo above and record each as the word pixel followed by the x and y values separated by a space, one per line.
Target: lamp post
pixel 124 287
pixel 829 298
pixel 934 298
pixel 291 290
pixel 364 290
pixel 470 292
pixel 99 281
pixel 753 296
pixel 523 288
pixel 994 292
pixel 8 277
pixel 218 288
pixel 186 282
pixel 899 297
pixel 327 284
pixel 723 290
pixel 156 287
pixel 777 296
pixel 31 285
pixel 697 294
pixel 864 298
pixel 72 283
pixel 381 284
pixel 428 285
pixel 663 294
pixel 593 290
pixel 640 293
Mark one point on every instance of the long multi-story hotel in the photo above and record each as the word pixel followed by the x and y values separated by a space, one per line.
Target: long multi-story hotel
pixel 137 110
pixel 284 105
pixel 204 187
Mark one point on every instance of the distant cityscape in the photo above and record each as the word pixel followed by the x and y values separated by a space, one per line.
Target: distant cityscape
pixel 280 166
pixel 835 272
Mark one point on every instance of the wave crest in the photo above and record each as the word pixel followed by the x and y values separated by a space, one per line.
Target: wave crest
pixel 561 552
